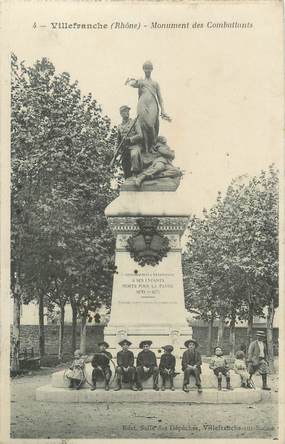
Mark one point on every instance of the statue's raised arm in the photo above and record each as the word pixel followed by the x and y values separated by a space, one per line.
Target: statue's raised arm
pixel 150 104
pixel 132 82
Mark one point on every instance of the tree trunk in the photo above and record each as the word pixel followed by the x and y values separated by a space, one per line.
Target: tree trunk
pixel 83 333
pixel 15 345
pixel 233 334
pixel 221 327
pixel 41 326
pixel 61 332
pixel 250 324
pixel 74 324
pixel 269 334
pixel 210 337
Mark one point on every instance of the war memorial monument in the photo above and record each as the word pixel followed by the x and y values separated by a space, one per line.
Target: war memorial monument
pixel 147 219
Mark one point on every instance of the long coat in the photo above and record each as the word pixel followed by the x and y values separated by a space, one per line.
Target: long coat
pixel 191 358
pixel 146 358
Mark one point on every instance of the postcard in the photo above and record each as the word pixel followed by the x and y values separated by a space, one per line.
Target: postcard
pixel 142 210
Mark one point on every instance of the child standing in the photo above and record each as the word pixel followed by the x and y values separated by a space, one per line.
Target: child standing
pixel 75 373
pixel 220 367
pixel 240 369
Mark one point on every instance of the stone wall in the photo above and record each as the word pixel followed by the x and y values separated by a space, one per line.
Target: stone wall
pixel 29 337
pixel 201 334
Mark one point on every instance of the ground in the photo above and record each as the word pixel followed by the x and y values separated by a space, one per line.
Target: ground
pixel 34 419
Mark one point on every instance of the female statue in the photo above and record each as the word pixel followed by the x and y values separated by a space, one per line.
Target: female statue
pixel 150 100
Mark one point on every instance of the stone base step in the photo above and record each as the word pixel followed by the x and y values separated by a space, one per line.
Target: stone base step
pixel 208 379
pixel 209 396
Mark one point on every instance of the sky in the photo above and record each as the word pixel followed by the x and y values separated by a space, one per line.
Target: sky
pixel 222 88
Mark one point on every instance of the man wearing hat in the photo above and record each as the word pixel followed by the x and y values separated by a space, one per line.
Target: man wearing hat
pixel 167 366
pixel 191 364
pixel 257 358
pixel 147 365
pixel 131 133
pixel 101 365
pixel 125 370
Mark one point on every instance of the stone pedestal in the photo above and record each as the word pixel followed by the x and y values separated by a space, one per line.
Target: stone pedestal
pixel 148 300
pixel 48 393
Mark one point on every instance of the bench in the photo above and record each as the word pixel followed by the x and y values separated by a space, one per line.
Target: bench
pixel 28 360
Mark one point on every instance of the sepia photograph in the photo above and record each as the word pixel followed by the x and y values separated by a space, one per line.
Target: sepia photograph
pixel 142 214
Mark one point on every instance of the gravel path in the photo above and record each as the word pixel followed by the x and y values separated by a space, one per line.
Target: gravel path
pixel 33 419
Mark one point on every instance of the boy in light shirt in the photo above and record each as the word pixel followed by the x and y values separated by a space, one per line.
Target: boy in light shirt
pixel 220 367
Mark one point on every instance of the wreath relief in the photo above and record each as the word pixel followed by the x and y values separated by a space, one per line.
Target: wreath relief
pixel 148 246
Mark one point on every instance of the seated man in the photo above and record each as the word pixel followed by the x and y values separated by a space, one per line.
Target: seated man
pixel 147 365
pixel 158 163
pixel 167 366
pixel 101 365
pixel 191 364
pixel 125 371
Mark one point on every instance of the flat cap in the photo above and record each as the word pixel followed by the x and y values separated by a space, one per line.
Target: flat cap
pixel 123 107
pixel 260 333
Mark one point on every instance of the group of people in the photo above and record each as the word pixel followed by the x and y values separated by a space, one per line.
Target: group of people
pixel 256 361
pixel 146 366
pixel 125 371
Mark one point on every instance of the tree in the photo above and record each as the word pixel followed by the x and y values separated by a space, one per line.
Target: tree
pixel 199 291
pixel 61 148
pixel 15 340
pixel 210 279
pixel 74 321
pixel 257 255
pixel 265 245
pixel 231 259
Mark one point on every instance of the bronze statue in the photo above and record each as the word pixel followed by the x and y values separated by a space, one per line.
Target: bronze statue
pixel 145 155
pixel 150 100
pixel 159 164
pixel 130 141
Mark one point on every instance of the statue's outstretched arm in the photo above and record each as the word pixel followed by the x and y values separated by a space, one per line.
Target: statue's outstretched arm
pixel 132 82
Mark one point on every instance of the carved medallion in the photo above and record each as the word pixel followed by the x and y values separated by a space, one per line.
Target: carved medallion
pixel 148 246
